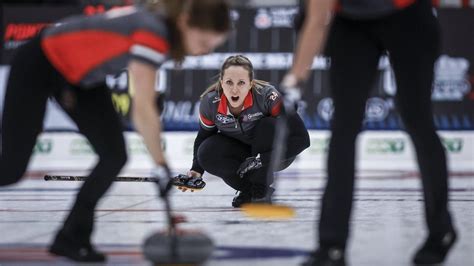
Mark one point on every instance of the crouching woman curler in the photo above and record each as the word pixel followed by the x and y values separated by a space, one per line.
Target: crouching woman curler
pixel 238 116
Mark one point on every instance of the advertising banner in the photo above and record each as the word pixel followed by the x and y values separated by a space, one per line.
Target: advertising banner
pixel 267 37
pixel 389 150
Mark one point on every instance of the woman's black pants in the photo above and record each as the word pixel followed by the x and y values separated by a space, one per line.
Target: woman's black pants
pixel 221 155
pixel 31 82
pixel 411 37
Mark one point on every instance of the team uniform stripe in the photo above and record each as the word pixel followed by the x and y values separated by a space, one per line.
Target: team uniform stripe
pixel 248 101
pixel 151 40
pixel 206 122
pixel 396 3
pixel 148 53
pixel 222 108
pixel 402 3
pixel 276 109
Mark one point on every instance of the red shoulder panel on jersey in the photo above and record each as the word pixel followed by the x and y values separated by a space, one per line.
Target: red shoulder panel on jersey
pixel 74 54
pixel 151 40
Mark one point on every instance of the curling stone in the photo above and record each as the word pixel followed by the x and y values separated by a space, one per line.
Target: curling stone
pixel 190 248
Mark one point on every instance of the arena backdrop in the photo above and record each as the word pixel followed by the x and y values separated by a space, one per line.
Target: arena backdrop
pixel 267 37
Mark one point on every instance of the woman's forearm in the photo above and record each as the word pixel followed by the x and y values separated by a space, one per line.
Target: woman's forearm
pixel 312 37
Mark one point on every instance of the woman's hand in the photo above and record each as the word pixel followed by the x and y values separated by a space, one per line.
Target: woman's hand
pixel 192 181
pixel 192 173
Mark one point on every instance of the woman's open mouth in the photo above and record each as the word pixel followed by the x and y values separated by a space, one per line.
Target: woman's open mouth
pixel 234 98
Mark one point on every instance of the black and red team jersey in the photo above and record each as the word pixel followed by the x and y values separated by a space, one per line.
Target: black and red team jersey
pixel 259 103
pixel 85 49
pixel 361 9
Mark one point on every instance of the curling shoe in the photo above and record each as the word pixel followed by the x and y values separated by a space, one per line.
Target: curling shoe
pixel 326 257
pixel 260 195
pixel 65 246
pixel 257 194
pixel 434 250
pixel 244 196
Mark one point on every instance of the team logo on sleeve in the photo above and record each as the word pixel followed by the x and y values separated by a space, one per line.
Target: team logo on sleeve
pixel 216 99
pixel 273 96
pixel 224 119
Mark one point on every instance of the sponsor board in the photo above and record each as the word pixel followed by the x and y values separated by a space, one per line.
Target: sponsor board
pixel 391 150
pixel 319 145
pixel 265 35
pixel 43 146
pixel 385 145
pixel 79 147
pixel 17 34
pixel 275 17
pixel 453 145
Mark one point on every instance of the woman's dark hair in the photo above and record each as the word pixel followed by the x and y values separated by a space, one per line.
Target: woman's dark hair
pixel 213 15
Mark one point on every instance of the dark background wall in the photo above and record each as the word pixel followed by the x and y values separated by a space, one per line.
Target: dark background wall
pixel 266 35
